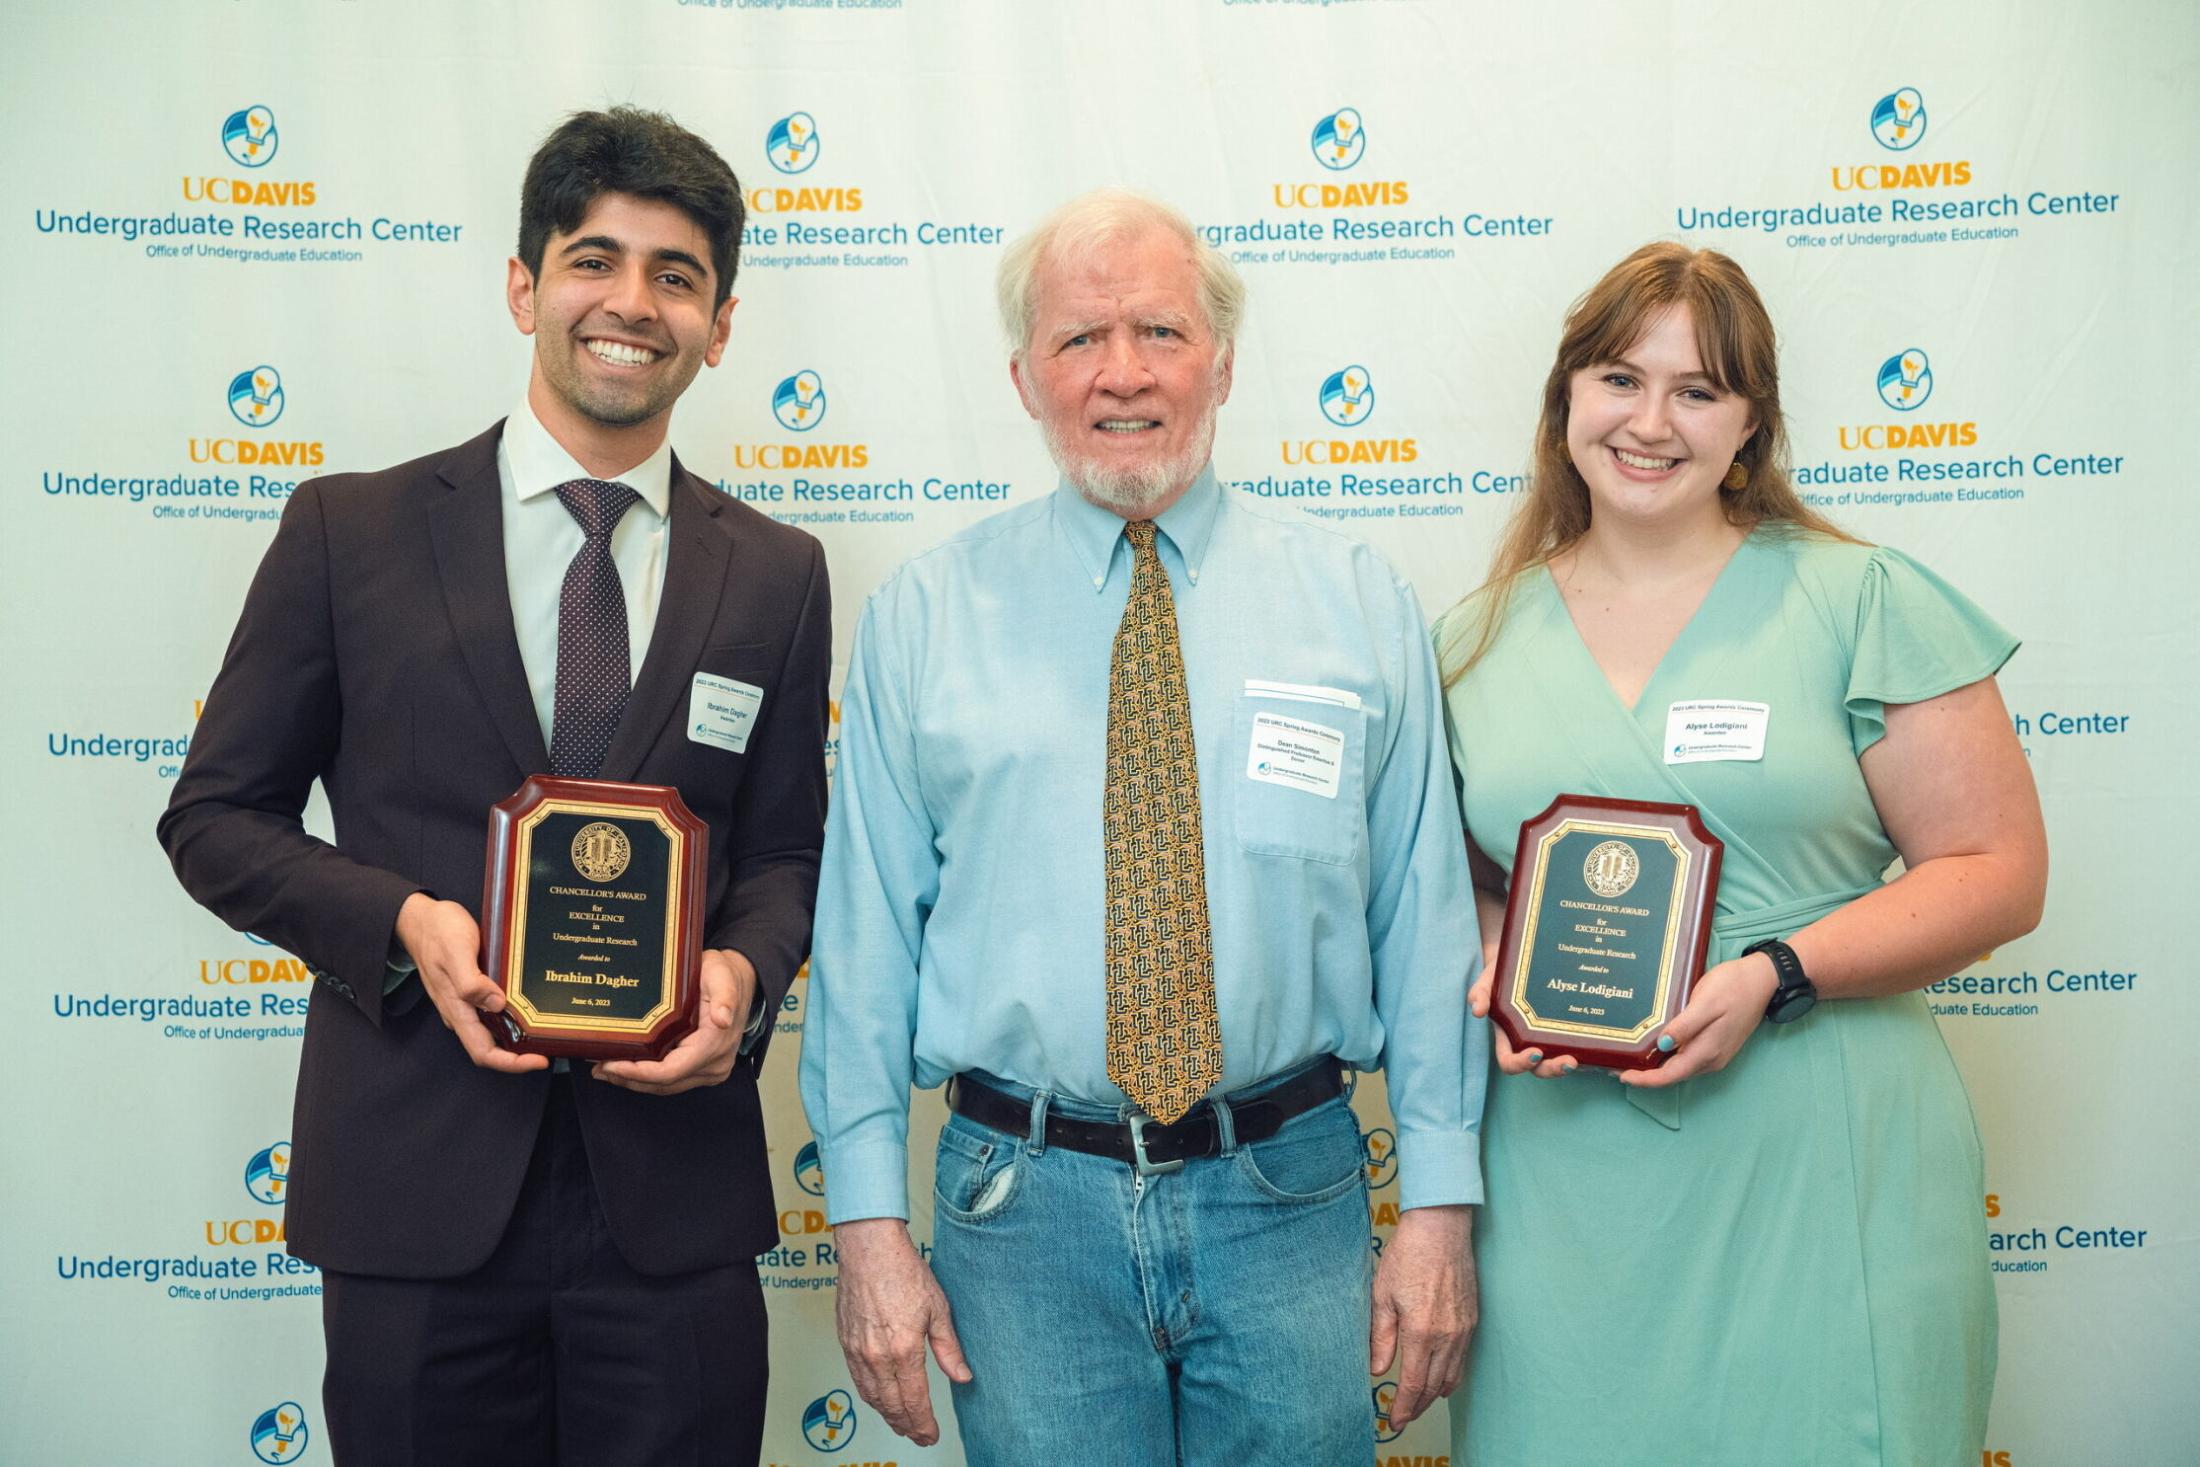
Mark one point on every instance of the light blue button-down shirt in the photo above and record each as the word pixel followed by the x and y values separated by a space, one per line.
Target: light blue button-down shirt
pixel 960 909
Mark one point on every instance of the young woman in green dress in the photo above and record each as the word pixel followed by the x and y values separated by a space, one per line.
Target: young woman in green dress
pixel 1770 1249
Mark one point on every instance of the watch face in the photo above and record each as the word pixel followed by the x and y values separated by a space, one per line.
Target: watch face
pixel 1791 1004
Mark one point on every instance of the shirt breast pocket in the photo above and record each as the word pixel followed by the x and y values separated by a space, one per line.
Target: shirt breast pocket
pixel 1296 767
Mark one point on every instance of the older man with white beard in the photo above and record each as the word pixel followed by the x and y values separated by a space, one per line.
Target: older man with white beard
pixel 1144 837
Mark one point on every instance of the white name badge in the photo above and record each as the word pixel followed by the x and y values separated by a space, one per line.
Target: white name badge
pixel 1296 754
pixel 1708 729
pixel 721 712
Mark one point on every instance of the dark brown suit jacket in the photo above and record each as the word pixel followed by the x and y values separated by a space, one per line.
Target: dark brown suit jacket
pixel 376 654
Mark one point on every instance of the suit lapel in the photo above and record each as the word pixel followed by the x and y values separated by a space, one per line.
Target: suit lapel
pixel 467 528
pixel 696 555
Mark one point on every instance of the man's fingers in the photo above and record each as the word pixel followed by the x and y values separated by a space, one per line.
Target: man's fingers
pixel 472 987
pixel 1382 1336
pixel 946 1348
pixel 911 1414
pixel 1413 1393
pixel 875 1389
pixel 698 1059
pixel 481 1047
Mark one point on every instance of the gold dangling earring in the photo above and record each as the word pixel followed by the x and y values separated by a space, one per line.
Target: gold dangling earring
pixel 1737 476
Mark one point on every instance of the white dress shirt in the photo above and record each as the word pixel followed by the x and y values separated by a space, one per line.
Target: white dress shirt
pixel 541 537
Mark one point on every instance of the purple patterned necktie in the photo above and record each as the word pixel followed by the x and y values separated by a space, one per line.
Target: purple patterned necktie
pixel 594 658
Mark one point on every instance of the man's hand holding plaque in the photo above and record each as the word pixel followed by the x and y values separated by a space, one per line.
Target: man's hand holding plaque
pixel 592 929
pixel 1606 926
pixel 444 943
pixel 706 1056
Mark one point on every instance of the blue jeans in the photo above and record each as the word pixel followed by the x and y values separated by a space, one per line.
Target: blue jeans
pixel 1213 1315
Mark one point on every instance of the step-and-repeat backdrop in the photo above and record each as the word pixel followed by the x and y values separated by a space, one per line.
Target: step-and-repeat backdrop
pixel 253 240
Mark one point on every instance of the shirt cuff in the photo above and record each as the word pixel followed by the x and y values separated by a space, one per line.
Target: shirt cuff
pixel 866 1179
pixel 1438 1168
pixel 759 1015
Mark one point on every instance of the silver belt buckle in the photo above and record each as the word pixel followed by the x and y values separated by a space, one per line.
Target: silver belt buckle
pixel 1139 1163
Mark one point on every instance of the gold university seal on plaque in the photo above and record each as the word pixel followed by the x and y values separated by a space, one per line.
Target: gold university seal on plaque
pixel 1611 868
pixel 601 851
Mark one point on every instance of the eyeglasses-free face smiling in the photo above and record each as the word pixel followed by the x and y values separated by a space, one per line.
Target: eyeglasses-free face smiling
pixel 622 317
pixel 1651 434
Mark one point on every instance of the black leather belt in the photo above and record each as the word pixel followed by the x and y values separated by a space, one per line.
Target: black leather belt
pixel 1144 1143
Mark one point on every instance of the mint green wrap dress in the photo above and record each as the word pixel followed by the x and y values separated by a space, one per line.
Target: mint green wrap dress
pixel 1782 1264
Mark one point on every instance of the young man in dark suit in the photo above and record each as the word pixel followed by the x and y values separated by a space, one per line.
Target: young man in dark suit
pixel 525 1262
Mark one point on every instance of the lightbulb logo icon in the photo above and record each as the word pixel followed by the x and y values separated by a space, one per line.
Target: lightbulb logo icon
pixel 249 137
pixel 1340 139
pixel 256 397
pixel 267 1174
pixel 791 145
pixel 279 1433
pixel 1906 380
pixel 1386 1430
pixel 809 1170
pixel 1898 119
pixel 799 402
pixel 829 1422
pixel 1379 1150
pixel 1348 397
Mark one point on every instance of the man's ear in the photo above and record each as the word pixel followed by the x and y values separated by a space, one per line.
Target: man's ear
pixel 1023 388
pixel 519 295
pixel 720 330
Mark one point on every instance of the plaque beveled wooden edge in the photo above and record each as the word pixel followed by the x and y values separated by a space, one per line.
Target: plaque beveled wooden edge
pixel 1695 887
pixel 502 906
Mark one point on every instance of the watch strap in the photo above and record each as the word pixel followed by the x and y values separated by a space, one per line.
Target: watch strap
pixel 1787 970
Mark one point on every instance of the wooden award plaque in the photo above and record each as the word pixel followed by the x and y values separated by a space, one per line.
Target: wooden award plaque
pixel 591 918
pixel 1606 928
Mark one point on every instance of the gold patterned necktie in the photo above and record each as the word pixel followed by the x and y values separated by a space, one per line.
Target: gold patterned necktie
pixel 1164 1041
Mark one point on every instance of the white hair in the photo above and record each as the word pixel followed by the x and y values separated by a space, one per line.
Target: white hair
pixel 1103 217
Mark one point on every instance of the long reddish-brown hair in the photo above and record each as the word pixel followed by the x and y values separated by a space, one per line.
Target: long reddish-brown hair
pixel 1735 339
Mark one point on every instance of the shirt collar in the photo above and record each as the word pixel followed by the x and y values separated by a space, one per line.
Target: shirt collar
pixel 1094 532
pixel 540 463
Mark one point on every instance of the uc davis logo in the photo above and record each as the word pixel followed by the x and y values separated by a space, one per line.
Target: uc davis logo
pixel 279 1433
pixel 799 402
pixel 1339 139
pixel 1348 397
pixel 829 1422
pixel 791 144
pixel 256 397
pixel 267 1174
pixel 1898 119
pixel 809 1170
pixel 1386 1430
pixel 249 137
pixel 1905 380
pixel 1379 1149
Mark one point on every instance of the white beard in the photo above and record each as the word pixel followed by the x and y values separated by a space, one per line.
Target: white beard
pixel 1127 491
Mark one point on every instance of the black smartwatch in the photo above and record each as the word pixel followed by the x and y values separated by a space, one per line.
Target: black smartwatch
pixel 1796 995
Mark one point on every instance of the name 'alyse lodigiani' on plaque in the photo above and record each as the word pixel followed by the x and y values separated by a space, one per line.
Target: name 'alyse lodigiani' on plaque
pixel 592 918
pixel 1605 928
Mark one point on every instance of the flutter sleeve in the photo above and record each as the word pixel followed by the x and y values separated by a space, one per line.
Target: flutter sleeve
pixel 1916 638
